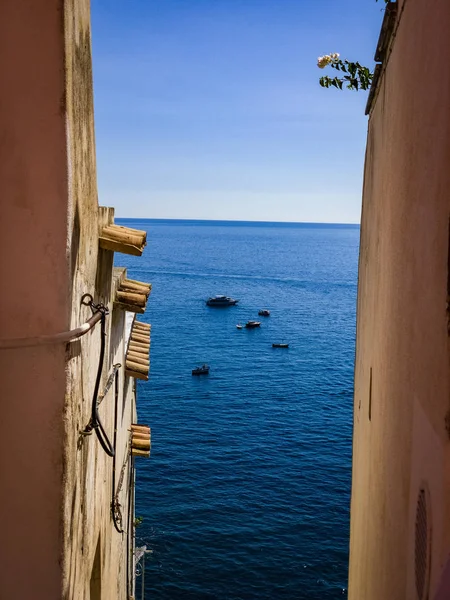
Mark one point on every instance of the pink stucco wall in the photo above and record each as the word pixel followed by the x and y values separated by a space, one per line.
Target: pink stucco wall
pixel 402 363
pixel 58 538
pixel 34 276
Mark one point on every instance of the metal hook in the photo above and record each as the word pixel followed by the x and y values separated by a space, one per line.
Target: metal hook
pixel 87 300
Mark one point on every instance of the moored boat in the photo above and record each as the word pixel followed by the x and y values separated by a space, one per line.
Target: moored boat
pixel 238 326
pixel 252 324
pixel 264 312
pixel 221 301
pixel 280 345
pixel 203 370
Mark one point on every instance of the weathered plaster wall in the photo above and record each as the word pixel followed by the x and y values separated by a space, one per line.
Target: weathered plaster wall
pixel 95 554
pixel 401 443
pixel 79 118
pixel 90 537
pixel 58 484
pixel 34 276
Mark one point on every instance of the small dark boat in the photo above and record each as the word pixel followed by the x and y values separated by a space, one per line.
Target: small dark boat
pixel 221 301
pixel 280 345
pixel 203 370
pixel 252 324
pixel 264 312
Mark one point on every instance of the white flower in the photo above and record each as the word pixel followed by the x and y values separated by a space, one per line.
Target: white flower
pixel 323 61
pixel 327 59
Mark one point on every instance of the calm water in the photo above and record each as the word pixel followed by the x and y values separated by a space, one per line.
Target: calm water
pixel 246 495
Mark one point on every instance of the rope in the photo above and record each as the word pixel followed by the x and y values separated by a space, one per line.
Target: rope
pixel 108 384
pixel 130 529
pixel 116 507
pixel 95 422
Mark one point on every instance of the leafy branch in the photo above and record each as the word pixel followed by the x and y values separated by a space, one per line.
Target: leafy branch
pixel 356 77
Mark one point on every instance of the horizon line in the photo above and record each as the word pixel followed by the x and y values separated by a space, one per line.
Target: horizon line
pixel 194 220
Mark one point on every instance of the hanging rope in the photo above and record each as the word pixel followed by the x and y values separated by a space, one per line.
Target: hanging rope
pixel 95 423
pixel 108 384
pixel 130 527
pixel 116 507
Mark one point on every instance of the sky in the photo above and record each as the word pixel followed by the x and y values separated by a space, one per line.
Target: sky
pixel 211 109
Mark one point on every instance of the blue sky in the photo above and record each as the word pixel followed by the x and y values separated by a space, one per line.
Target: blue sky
pixel 211 109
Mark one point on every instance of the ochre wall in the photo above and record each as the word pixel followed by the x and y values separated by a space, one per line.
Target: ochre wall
pixel 402 358
pixel 95 556
pixel 89 534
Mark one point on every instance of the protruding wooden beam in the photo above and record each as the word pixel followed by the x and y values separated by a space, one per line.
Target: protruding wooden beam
pixel 131 298
pixel 113 246
pixel 140 427
pixel 140 339
pixel 123 239
pixel 142 353
pixel 124 236
pixel 143 453
pixel 149 285
pixel 140 444
pixel 131 286
pixel 140 359
pixel 130 229
pixel 142 326
pixel 138 368
pixel 140 435
pixel 139 349
pixel 136 375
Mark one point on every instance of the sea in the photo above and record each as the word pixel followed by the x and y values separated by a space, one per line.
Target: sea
pixel 246 495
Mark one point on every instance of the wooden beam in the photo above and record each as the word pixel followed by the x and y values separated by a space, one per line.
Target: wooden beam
pixel 139 359
pixel 140 434
pixel 139 426
pixel 143 339
pixel 131 298
pixel 125 237
pixel 116 246
pixel 143 453
pixel 136 375
pixel 134 287
pixel 149 285
pixel 140 444
pixel 140 232
pixel 139 347
pixel 144 326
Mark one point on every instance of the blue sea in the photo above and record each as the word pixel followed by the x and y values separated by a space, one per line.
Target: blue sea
pixel 246 495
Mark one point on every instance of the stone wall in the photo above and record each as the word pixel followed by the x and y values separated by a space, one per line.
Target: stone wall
pixel 97 559
pixel 401 447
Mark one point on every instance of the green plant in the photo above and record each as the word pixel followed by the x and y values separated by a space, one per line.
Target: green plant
pixel 138 521
pixel 356 76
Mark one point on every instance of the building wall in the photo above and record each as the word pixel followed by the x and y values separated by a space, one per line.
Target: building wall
pixel 58 528
pixel 34 275
pixel 401 437
pixel 97 559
